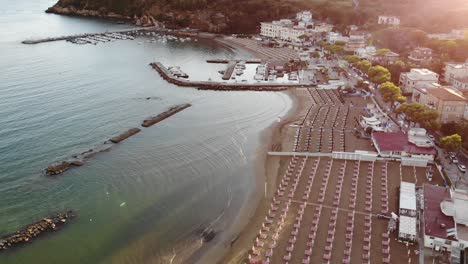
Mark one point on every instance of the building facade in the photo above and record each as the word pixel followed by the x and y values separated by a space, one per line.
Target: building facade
pixel 445 217
pixel 333 37
pixel 396 145
pixel 417 78
pixel 389 20
pixel 455 71
pixel 452 35
pixel 287 29
pixel 357 40
pixel 450 104
pixel 420 54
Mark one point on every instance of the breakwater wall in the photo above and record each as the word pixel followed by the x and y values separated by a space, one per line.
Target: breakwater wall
pixel 221 86
pixel 84 35
pixel 79 159
pixel 224 61
pixel 32 231
pixel 125 135
pixel 156 119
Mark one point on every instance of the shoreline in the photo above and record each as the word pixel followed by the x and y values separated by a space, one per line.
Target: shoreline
pixel 266 174
pixel 272 138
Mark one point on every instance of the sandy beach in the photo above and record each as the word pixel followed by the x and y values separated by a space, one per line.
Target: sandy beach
pixel 268 171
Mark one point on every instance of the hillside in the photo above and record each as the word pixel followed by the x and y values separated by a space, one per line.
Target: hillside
pixel 243 16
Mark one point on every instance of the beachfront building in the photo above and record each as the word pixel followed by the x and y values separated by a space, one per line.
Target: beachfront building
pixel 407 228
pixel 414 149
pixel 445 217
pixel 417 78
pixel 452 35
pixel 449 103
pixel 455 71
pixel 420 55
pixel 389 20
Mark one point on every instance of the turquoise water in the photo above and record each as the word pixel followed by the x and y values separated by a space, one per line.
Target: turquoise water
pixel 145 196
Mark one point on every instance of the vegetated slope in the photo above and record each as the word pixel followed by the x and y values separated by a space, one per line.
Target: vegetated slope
pixel 244 16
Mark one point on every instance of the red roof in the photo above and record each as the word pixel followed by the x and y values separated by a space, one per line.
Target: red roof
pixel 398 141
pixel 433 216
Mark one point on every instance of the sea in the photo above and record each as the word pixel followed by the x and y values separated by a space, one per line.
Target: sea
pixel 147 199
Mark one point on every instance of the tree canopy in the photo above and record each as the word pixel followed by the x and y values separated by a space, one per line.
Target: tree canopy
pixel 364 65
pixel 418 113
pixel 391 93
pixel 379 74
pixel 451 143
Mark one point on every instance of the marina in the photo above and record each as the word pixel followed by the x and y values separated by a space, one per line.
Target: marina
pixel 90 37
pixel 223 86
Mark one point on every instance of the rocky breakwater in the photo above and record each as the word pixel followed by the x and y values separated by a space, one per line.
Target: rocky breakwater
pixel 125 135
pixel 76 161
pixel 172 111
pixel 28 233
pixel 61 167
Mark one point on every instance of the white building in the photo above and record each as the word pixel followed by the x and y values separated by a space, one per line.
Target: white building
pixel 407 213
pixel 417 78
pixel 389 20
pixel 366 53
pixel 275 28
pixel 455 71
pixel 287 29
pixel 397 145
pixel 334 37
pixel 304 16
pixel 445 220
pixel 452 35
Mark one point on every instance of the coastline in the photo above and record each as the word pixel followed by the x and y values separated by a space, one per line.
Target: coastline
pixel 267 168
pixel 251 215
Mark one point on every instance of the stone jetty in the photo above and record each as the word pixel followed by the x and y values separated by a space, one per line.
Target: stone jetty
pixel 172 111
pixel 70 37
pixel 224 61
pixel 125 135
pixel 30 232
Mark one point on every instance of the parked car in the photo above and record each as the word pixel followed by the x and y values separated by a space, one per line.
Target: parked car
pixel 454 161
pixel 462 168
pixel 431 137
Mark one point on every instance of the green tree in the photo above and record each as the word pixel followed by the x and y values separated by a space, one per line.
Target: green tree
pixel 397 68
pixel 418 113
pixel 340 43
pixel 364 65
pixel 379 74
pixel 382 52
pixel 391 93
pixel 410 111
pixel 335 49
pixel 315 54
pixel 451 143
pixel 353 59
